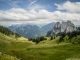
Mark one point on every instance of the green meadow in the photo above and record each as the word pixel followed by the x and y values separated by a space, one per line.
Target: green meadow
pixel 22 49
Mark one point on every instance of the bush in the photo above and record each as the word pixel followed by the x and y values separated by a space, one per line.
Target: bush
pixel 51 38
pixel 73 40
pixel 60 39
pixel 78 39
pixel 66 38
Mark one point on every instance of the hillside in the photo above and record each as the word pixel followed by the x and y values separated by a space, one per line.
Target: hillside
pixel 45 50
pixel 50 49
pixel 47 28
pixel 8 32
pixel 9 43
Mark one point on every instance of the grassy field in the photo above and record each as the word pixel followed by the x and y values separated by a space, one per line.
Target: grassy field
pixel 7 57
pixel 22 49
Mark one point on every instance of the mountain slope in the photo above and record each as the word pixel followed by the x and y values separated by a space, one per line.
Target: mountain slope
pixel 63 27
pixel 9 45
pixel 8 32
pixel 49 50
pixel 28 31
pixel 45 50
pixel 78 28
pixel 47 28
pixel 31 31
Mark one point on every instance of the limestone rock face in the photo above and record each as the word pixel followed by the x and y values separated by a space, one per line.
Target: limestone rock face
pixel 62 27
pixel 56 29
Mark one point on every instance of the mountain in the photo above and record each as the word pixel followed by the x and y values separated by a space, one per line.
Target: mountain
pixel 62 27
pixel 47 28
pixel 78 28
pixel 31 31
pixel 13 27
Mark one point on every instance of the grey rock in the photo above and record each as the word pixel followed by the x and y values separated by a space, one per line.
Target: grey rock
pixel 62 27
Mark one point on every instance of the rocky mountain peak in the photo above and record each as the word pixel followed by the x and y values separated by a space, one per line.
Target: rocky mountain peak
pixel 62 27
pixel 57 25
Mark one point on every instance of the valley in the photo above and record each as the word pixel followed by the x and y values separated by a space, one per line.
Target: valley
pixel 45 50
pixel 60 47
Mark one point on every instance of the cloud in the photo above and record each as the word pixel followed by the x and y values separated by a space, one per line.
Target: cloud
pixel 36 7
pixel 32 2
pixel 14 3
pixel 42 16
pixel 19 15
pixel 69 6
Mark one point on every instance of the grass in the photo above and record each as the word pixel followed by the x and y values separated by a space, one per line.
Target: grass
pixel 45 50
pixel 7 57
pixel 62 52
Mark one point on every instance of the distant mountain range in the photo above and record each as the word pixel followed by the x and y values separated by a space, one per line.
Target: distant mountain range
pixel 31 31
pixel 47 27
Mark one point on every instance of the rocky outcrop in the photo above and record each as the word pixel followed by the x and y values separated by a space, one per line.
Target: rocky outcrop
pixel 62 27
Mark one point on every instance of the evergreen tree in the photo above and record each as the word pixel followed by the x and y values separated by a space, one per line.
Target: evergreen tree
pixel 51 38
pixel 8 32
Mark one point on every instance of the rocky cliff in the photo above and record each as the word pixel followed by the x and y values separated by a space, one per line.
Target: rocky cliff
pixel 62 27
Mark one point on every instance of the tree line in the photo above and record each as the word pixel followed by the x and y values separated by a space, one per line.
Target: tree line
pixel 70 35
pixel 8 32
pixel 37 39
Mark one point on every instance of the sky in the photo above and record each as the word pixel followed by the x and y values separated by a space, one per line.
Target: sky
pixel 39 12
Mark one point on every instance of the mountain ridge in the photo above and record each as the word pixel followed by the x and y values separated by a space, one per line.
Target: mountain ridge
pixel 63 27
pixel 31 31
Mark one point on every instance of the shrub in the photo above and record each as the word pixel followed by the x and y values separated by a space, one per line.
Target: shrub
pixel 66 38
pixel 51 38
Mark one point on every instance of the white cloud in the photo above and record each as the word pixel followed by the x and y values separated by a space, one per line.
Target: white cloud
pixel 14 3
pixel 32 2
pixel 69 6
pixel 36 7
pixel 42 16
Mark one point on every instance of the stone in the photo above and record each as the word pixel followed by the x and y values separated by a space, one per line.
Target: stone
pixel 62 27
